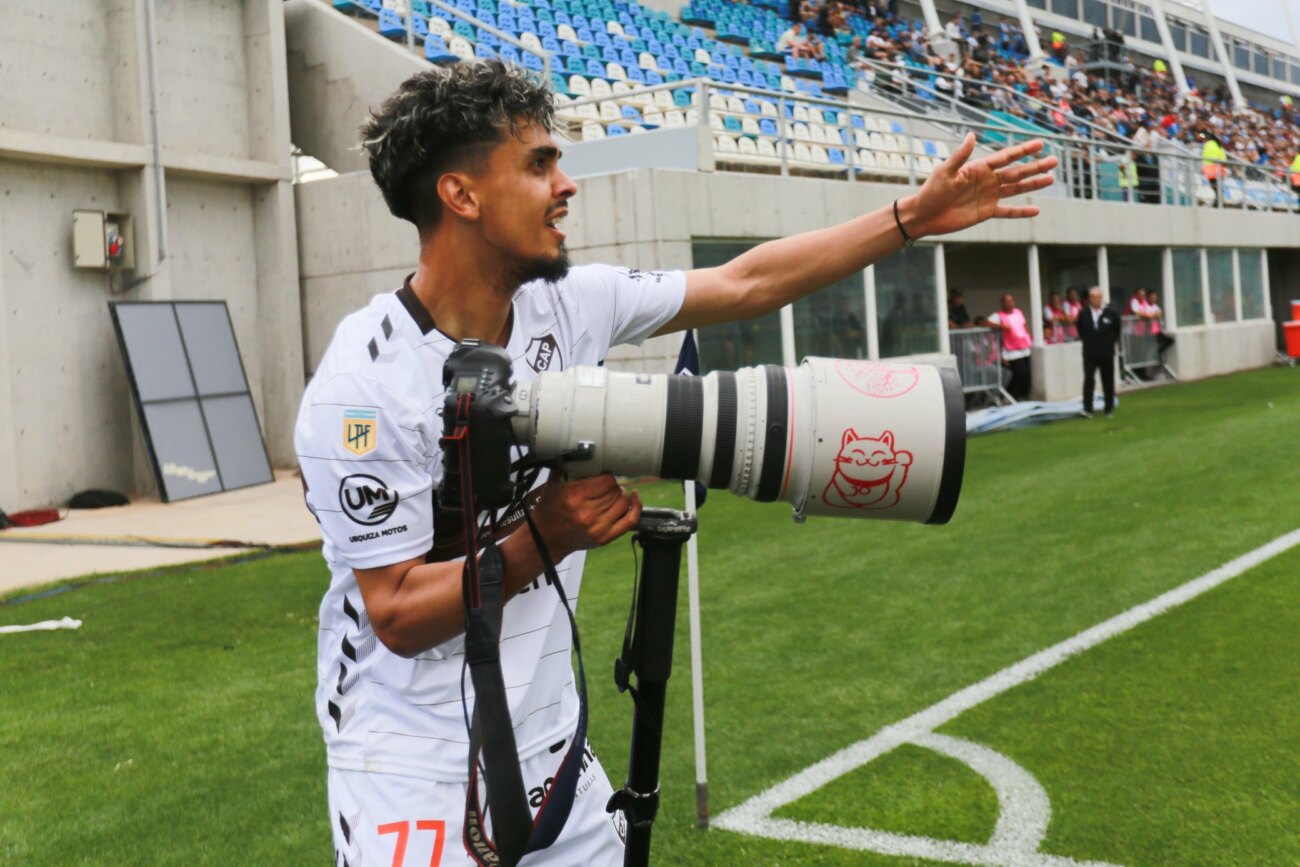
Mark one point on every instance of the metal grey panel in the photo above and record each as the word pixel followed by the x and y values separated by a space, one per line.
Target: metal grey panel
pixel 210 342
pixel 241 455
pixel 153 346
pixel 180 447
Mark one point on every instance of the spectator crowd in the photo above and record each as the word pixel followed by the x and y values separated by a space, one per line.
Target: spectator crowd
pixel 1099 95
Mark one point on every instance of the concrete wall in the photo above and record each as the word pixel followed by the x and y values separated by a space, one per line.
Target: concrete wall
pixel 75 132
pixel 337 70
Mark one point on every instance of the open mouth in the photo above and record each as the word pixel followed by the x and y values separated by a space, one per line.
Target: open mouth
pixel 554 221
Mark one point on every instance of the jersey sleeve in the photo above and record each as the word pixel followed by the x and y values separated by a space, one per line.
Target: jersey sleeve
pixel 364 457
pixel 624 305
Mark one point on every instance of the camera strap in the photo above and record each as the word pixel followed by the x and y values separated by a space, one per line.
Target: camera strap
pixel 492 746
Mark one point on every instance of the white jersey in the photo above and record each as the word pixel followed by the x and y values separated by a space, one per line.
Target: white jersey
pixel 367 443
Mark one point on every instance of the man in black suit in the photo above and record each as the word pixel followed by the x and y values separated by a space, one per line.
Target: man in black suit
pixel 1098 332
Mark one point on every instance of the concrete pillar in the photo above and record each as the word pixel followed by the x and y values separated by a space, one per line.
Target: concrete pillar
pixel 1290 24
pixel 1225 62
pixel 278 294
pixel 931 15
pixel 8 452
pixel 1167 288
pixel 1205 288
pixel 1236 281
pixel 1035 295
pixel 1103 272
pixel 1171 52
pixel 939 42
pixel 1031 35
pixel 788 357
pixel 941 290
pixel 873 334
pixel 1264 286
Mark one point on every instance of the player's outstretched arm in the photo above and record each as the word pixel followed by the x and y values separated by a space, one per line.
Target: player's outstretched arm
pixel 959 193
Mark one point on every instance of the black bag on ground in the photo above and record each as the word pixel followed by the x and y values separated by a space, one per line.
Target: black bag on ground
pixel 97 499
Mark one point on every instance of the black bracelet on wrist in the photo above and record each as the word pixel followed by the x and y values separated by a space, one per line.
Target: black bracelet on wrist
pixel 907 239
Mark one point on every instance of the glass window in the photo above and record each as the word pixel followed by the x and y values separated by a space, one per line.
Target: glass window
pixel 1200 44
pixel 1279 69
pixel 1240 56
pixel 1295 74
pixel 1188 302
pixel 1131 269
pixel 1125 21
pixel 1261 63
pixel 1094 13
pixel 830 323
pixel 1253 303
pixel 1068 8
pixel 1178 33
pixel 906 310
pixel 1150 32
pixel 1038 4
pixel 735 344
pixel 1223 303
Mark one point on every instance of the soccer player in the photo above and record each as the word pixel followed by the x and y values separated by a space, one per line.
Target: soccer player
pixel 466 155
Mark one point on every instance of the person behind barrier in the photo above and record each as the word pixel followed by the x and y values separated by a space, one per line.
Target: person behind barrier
pixel 1213 160
pixel 1016 345
pixel 1155 316
pixel 1055 319
pixel 958 317
pixel 466 154
pixel 1073 307
pixel 1099 328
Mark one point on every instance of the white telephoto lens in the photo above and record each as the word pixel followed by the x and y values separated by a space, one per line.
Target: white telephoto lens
pixel 834 437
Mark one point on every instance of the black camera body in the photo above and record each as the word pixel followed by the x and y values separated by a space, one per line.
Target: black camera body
pixel 477 410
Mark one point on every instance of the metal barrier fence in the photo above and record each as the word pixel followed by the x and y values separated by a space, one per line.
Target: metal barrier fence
pixel 979 362
pixel 1139 347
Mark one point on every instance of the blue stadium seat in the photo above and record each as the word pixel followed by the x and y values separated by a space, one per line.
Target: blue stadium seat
pixel 575 66
pixel 508 54
pixel 421 28
pixel 615 130
pixel 390 24
pixel 650 76
pixel 463 28
pixel 484 51
pixel 630 113
pixel 595 69
pixel 767 126
pixel 435 51
pixel 682 98
pixel 732 124
pixel 636 74
pixel 546 29
pixel 533 62
pixel 836 156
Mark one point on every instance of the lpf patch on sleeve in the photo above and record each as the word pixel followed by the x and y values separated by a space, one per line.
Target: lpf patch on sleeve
pixel 360 430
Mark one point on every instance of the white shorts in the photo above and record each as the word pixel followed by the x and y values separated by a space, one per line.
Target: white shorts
pixel 385 819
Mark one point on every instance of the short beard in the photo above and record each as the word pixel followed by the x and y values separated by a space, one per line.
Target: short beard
pixel 550 270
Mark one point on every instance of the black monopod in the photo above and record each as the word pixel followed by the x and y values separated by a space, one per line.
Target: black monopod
pixel 648 655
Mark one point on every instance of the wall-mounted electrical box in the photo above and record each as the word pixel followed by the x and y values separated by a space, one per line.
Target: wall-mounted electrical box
pixel 102 240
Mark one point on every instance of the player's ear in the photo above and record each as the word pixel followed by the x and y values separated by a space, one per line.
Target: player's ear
pixel 458 196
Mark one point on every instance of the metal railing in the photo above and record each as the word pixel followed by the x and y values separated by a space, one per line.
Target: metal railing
pixel 979 362
pixel 1139 347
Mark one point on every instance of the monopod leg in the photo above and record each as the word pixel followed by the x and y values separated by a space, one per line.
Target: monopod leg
pixel 661 534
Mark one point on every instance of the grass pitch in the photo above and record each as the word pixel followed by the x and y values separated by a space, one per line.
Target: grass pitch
pixel 176 725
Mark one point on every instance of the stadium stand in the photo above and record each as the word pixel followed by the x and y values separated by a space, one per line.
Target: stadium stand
pixel 989 82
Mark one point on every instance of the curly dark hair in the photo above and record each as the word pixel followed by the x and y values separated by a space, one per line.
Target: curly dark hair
pixel 446 119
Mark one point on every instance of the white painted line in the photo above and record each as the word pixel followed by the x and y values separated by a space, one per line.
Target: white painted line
pixel 43 626
pixel 754 815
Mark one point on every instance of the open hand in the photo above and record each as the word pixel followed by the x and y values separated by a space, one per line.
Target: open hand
pixel 960 194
